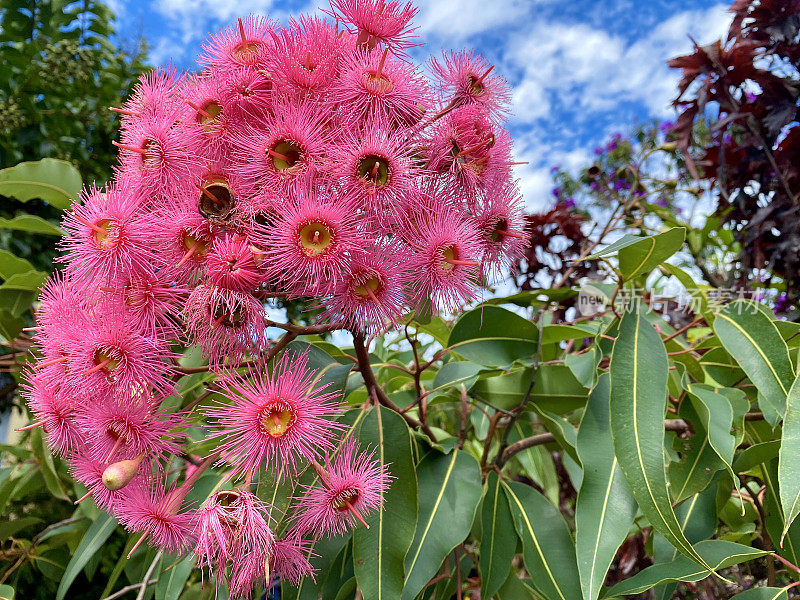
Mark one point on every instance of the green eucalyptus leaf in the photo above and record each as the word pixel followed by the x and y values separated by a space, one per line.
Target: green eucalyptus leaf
pixel 499 538
pixel 638 371
pixel 605 507
pixel 54 181
pixel 449 493
pixel 91 543
pixel 493 336
pixel 647 253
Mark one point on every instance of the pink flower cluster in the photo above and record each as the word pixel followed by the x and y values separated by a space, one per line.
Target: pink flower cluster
pixel 311 162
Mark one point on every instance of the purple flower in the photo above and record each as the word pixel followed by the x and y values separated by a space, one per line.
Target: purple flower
pixel 661 202
pixel 568 203
pixel 750 96
pixel 555 169
pixel 666 127
pixel 556 192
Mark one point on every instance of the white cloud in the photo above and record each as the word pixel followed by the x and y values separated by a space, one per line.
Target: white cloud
pixel 577 65
pixel 456 20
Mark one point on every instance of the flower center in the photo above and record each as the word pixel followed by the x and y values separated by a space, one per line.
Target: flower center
pixel 106 233
pixel 378 83
pixel 191 241
pixel 374 169
pixel 276 419
pixel 342 499
pixel 498 230
pixel 246 51
pixel 448 253
pixel 286 155
pixel 208 116
pixel 476 85
pixel 229 316
pixel 315 238
pixel 107 359
pixel 216 199
pixel 151 155
pixel 369 287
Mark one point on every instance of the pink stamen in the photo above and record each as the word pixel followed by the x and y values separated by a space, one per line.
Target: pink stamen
pixel 89 224
pixel 241 30
pixel 482 77
pixel 116 446
pixel 187 256
pixel 208 193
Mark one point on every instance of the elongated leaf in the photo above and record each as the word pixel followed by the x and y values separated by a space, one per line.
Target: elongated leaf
pixel 493 336
pixel 605 507
pixel 756 454
pixel 515 589
pixel 11 265
pixel 548 550
pixel 456 373
pixel 449 493
pixel 45 460
pixel 499 538
pixel 54 181
pixel 92 541
pixel 716 414
pixel 565 433
pixel 638 373
pixel 718 553
pixel 698 519
pixel 755 343
pixel 647 253
pixel 379 552
pixel 31 224
pixel 6 592
pixel 763 593
pixel 698 462
pixel 170 583
pixel 326 551
pixel 789 458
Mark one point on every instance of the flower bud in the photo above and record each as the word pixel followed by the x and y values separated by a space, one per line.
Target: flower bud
pixel 118 475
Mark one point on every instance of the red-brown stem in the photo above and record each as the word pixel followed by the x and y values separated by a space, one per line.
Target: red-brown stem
pixel 141 151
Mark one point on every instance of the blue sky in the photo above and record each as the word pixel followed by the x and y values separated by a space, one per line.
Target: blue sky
pixel 580 69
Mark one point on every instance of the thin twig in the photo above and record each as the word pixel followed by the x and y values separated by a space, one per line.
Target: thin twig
pixel 146 578
pixel 129 588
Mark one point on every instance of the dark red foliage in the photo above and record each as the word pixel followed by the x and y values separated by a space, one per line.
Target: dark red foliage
pixel 555 238
pixel 746 88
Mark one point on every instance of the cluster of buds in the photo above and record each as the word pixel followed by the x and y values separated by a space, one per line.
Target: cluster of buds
pixel 312 162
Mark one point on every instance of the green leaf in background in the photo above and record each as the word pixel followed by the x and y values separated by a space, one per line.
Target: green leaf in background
pixel 548 550
pixel 716 414
pixel 498 540
pixel 584 366
pixel 456 373
pixel 605 507
pixel 12 265
pixel 698 519
pixel 646 254
pixel 698 462
pixel 639 370
pixel 10 325
pixel 54 181
pixel 565 433
pixel 493 336
pixel 6 592
pixel 175 572
pixel 31 224
pixel 789 458
pixel 763 593
pixel 42 454
pixel 379 552
pixel 92 541
pixel 719 553
pixel 449 493
pixel 755 343
pixel 322 555
pixel 516 589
